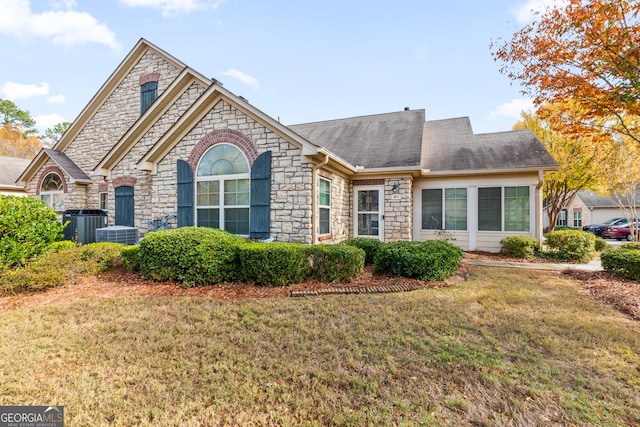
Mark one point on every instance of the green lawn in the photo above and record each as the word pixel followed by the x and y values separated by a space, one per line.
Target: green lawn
pixel 508 347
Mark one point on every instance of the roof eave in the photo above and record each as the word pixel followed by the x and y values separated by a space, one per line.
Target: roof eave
pixel 492 171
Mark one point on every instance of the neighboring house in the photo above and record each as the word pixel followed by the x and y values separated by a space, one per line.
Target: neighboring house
pixel 10 170
pixel 159 138
pixel 587 208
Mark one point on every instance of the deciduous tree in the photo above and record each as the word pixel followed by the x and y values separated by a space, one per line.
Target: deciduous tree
pixel 579 158
pixel 15 117
pixel 584 50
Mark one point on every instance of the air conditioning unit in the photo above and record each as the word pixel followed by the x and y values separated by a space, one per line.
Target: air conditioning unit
pixel 117 234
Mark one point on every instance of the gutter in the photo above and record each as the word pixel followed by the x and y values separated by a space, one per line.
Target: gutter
pixel 540 212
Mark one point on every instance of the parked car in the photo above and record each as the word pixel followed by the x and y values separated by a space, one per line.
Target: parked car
pixel 598 229
pixel 619 232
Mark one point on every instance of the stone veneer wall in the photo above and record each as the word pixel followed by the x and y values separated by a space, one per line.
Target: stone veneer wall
pixel 291 178
pixel 398 212
pixel 105 128
pixel 75 196
pixel 151 202
pixel 340 207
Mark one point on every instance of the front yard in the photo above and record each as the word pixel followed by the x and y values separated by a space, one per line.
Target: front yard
pixel 506 347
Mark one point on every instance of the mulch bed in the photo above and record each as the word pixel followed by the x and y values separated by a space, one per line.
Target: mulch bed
pixel 623 294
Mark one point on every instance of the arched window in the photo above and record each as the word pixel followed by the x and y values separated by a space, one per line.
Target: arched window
pixel 52 192
pixel 222 190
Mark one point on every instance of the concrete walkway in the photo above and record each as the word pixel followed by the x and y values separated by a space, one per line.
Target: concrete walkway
pixel 594 265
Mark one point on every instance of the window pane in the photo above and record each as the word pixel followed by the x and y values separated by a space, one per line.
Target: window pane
pixel 58 202
pixel 325 221
pixel 367 224
pixel 516 208
pixel 455 208
pixel 325 192
pixel 432 209
pixel 208 193
pixel 236 192
pixel 209 218
pixel 236 220
pixel 489 209
pixel 222 159
pixel 368 201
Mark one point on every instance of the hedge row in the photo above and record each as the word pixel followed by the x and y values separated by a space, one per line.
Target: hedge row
pixel 623 262
pixel 197 256
pixel 563 245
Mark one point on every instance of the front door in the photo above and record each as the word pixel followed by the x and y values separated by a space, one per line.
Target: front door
pixel 369 212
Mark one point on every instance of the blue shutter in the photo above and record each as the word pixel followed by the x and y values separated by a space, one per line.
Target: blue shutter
pixel 125 206
pixel 185 194
pixel 260 212
pixel 148 94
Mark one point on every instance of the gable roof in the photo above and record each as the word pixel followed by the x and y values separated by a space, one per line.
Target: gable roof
pixel 450 146
pixel 65 163
pixel 376 141
pixel 594 200
pixel 10 170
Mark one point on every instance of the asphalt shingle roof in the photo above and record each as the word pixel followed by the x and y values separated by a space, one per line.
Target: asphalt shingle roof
pixel 451 145
pixel 380 140
pixel 67 165
pixel 405 139
pixel 11 168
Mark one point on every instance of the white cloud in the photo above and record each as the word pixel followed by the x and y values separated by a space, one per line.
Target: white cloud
pixel 46 121
pixel 525 12
pixel 14 91
pixel 244 78
pixel 65 27
pixel 56 99
pixel 174 7
pixel 511 109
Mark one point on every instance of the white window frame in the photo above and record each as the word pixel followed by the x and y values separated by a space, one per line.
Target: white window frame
pixel 443 207
pixel 324 207
pixel 53 194
pixel 221 206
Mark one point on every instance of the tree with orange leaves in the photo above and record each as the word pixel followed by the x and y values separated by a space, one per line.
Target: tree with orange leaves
pixel 584 50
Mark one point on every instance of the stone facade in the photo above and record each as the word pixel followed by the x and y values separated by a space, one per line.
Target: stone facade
pixel 398 209
pixel 294 194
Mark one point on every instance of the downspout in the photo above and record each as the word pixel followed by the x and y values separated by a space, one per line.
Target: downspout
pixel 314 183
pixel 539 212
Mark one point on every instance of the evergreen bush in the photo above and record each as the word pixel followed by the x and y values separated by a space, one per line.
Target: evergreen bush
pixel 368 245
pixel 191 255
pixel 429 260
pixel 571 245
pixel 330 263
pixel 274 264
pixel 519 246
pixel 27 228
pixel 622 262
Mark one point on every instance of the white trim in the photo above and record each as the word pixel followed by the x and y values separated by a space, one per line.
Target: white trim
pixel 380 212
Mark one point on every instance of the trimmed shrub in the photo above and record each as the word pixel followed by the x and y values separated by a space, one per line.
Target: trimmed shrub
pixel 191 255
pixel 330 263
pixel 129 255
pixel 429 260
pixel 59 268
pixel 571 245
pixel 61 245
pixel 519 246
pixel 274 264
pixel 101 256
pixel 631 246
pixel 368 245
pixel 27 228
pixel 622 262
pixel 601 244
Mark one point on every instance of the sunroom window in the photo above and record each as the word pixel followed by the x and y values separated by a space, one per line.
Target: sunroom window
pixel 222 190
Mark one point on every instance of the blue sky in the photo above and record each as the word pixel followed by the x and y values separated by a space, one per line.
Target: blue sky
pixel 299 61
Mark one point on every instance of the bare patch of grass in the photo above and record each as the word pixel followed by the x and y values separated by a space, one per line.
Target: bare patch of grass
pixel 508 347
